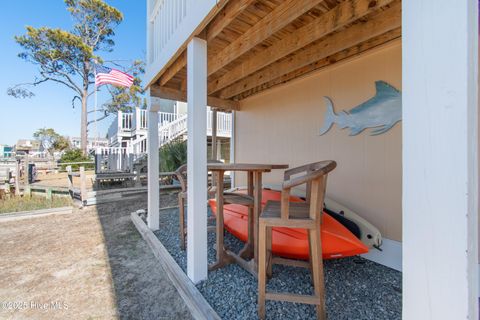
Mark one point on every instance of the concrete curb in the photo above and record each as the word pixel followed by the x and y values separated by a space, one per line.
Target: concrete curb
pixel 34 213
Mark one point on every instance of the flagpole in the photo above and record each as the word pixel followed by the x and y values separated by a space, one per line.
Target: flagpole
pixel 95 108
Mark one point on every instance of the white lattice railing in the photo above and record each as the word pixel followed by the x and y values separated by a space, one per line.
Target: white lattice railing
pixel 224 124
pixel 170 24
pixel 165 17
pixel 175 125
pixel 114 159
pixel 166 133
pixel 167 117
pixel 172 130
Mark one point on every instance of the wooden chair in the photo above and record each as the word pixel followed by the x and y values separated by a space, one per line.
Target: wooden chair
pixel 229 198
pixel 295 215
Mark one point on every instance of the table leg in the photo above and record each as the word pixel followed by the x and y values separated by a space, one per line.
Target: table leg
pixel 222 258
pixel 257 209
pixel 247 251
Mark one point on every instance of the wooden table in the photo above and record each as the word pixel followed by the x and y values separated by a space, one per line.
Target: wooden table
pixel 254 189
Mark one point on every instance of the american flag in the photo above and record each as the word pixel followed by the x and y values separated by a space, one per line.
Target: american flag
pixel 106 75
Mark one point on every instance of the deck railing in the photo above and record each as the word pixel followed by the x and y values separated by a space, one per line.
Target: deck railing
pixel 224 124
pixel 167 117
pixel 170 25
pixel 114 159
pixel 165 17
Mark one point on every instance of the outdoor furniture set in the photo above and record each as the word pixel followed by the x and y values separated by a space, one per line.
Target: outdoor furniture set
pixel 256 257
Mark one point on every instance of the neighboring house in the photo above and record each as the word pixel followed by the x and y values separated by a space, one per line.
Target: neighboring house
pixel 31 147
pixel 418 182
pixel 92 143
pixel 6 151
pixel 129 129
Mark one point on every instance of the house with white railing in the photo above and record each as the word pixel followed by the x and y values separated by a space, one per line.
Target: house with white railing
pixel 286 70
pixel 127 135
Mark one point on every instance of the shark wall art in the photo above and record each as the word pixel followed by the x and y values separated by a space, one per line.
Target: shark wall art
pixel 382 112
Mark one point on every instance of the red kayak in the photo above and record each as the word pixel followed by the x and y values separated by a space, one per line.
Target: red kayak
pixel 337 241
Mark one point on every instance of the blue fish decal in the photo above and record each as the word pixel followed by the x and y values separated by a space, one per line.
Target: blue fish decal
pixel 382 112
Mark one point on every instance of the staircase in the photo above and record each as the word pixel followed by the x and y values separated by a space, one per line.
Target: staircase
pixel 133 157
pixel 166 133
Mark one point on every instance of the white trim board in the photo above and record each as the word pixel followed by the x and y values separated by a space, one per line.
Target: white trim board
pixel 390 256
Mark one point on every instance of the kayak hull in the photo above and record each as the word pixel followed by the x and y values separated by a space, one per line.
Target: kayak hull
pixel 337 241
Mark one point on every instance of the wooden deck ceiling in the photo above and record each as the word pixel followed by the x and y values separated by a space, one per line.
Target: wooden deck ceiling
pixel 254 45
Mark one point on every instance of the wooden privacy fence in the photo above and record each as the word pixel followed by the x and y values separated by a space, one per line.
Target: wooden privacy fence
pixel 77 193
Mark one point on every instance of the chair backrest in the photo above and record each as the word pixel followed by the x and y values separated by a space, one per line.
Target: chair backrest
pixel 314 175
pixel 181 174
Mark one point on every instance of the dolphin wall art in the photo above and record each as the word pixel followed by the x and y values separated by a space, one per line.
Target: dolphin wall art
pixel 382 111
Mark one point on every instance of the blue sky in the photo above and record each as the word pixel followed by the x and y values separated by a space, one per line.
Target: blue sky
pixel 51 106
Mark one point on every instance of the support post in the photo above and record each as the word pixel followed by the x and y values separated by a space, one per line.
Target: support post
pixel 197 264
pixel 83 186
pixel 153 169
pixel 440 162
pixel 214 134
pixel 27 170
pixel 17 176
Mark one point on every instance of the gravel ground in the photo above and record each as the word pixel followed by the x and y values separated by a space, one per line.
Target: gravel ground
pixel 355 288
pixel 91 264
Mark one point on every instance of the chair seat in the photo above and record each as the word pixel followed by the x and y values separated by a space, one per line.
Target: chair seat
pixel 237 198
pixel 297 210
pixel 228 197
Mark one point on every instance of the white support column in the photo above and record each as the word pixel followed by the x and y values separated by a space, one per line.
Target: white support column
pixel 232 148
pixel 197 160
pixel 153 168
pixel 440 174
pixel 214 155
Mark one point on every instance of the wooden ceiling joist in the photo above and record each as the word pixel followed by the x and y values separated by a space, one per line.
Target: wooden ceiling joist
pixel 178 65
pixel 177 95
pixel 337 57
pixel 280 17
pixel 229 13
pixel 342 15
pixel 376 25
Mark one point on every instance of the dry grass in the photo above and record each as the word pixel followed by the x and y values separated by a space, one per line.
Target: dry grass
pixel 17 204
pixel 90 264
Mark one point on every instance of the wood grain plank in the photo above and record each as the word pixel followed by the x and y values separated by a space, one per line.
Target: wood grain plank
pixel 231 10
pixel 325 62
pixel 280 17
pixel 177 95
pixel 345 13
pixel 379 24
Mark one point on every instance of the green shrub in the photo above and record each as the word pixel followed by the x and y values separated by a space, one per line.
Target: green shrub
pixel 76 155
pixel 173 155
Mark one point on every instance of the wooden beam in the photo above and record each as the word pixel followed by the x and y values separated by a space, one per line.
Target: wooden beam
pixel 178 65
pixel 333 20
pixel 325 62
pixel 177 95
pixel 231 10
pixel 280 17
pixel 379 24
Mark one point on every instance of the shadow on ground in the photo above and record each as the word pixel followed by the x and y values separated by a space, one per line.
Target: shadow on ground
pixel 142 288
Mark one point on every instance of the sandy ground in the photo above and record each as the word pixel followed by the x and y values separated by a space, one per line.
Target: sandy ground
pixel 91 264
